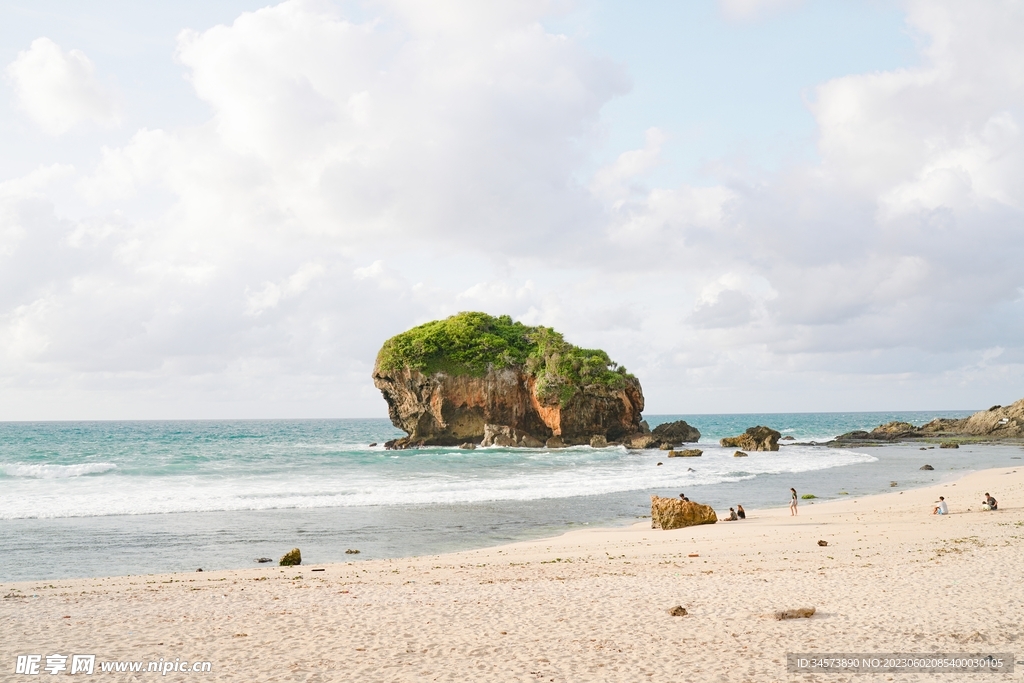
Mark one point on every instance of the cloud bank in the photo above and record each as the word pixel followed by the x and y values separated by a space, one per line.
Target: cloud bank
pixel 357 177
pixel 59 90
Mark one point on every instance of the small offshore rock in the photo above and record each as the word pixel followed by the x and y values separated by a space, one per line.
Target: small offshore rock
pixel 823 543
pixel 200 569
pixel 351 551
pixel 666 446
pixel 555 442
pixel 687 453
pixel 949 444
pixel 467 446
pixel 676 432
pixel 926 467
pixel 678 611
pixel 739 454
pixel 261 560
pixel 893 484
pixel 598 441
pixel 291 558
pixel 660 464
pixel 758 438
pixel 800 613
pixel 640 440
pixel 788 438
pixel 373 444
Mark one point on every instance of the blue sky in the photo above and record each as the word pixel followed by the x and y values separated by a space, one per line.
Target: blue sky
pixel 222 209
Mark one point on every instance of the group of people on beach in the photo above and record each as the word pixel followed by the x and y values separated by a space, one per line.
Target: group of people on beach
pixel 734 514
pixel 989 503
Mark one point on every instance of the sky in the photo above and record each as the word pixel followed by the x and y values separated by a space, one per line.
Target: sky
pixel 222 209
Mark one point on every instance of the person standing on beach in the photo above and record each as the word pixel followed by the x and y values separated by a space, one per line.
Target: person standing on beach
pixel 792 502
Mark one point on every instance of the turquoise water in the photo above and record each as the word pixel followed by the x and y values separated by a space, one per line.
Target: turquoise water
pixel 97 498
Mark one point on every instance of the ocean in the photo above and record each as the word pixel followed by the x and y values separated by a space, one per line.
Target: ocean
pixel 113 498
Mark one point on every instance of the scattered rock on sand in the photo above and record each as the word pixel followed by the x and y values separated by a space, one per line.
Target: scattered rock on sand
pixel 739 454
pixel 926 467
pixel 291 558
pixel 678 611
pixel 673 513
pixel 200 569
pixel 823 543
pixel 261 560
pixel 799 613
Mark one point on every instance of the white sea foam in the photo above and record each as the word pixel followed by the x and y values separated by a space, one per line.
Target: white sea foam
pixel 42 471
pixel 548 474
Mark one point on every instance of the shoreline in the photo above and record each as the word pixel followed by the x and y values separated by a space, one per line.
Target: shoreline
pixel 590 604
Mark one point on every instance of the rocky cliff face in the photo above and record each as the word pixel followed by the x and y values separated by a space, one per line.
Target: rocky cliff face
pixel 503 407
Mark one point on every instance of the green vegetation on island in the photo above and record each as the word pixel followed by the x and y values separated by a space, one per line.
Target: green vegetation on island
pixel 471 343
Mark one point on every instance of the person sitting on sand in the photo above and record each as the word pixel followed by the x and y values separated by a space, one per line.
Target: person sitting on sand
pixel 732 516
pixel 941 508
pixel 683 496
pixel 741 512
pixel 989 503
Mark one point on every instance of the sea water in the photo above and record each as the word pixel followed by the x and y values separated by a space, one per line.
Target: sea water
pixel 102 498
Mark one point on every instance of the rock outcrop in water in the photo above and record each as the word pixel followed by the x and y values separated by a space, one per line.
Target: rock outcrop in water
pixel 754 439
pixel 998 423
pixel 473 378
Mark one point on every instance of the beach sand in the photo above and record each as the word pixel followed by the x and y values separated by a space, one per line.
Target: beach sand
pixel 591 605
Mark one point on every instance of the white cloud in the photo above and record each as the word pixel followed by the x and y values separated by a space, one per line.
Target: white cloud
pixel 355 178
pixel 59 90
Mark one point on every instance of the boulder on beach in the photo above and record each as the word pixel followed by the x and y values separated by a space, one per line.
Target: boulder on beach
pixel 754 439
pixel 673 513
pixel 291 558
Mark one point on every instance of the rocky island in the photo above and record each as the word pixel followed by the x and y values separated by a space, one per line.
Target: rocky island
pixel 998 423
pixel 475 379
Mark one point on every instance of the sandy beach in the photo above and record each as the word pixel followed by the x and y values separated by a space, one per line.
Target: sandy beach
pixel 588 605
